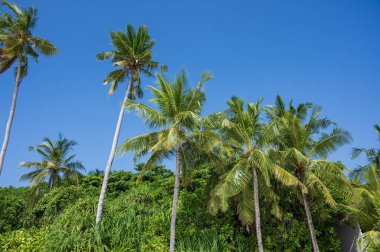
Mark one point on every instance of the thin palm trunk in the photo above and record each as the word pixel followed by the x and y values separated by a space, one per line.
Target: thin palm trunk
pixel 310 221
pixel 51 183
pixel 112 154
pixel 11 115
pixel 257 210
pixel 175 199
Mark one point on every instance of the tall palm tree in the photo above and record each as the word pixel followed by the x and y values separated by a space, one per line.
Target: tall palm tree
pixel 242 129
pixel 132 55
pixel 373 157
pixel 301 138
pixel 56 163
pixel 176 117
pixel 364 207
pixel 19 44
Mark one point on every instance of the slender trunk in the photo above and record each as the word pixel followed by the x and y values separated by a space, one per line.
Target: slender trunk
pixel 112 155
pixel 11 115
pixel 257 210
pixel 310 222
pixel 51 182
pixel 175 199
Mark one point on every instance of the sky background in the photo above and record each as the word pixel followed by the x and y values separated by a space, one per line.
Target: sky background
pixel 326 52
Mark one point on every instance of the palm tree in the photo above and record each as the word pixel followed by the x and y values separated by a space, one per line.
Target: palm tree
pixel 364 207
pixel 19 44
pixel 242 129
pixel 373 157
pixel 56 164
pixel 132 55
pixel 176 117
pixel 300 138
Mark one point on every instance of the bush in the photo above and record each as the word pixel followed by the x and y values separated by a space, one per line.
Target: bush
pixel 136 217
pixel 23 240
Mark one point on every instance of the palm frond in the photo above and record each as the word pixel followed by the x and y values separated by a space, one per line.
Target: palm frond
pixel 328 143
pixel 152 117
pixel 369 241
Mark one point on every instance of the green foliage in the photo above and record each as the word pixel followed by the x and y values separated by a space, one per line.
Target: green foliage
pixel 364 207
pixel 12 207
pixel 23 240
pixel 138 218
pixel 53 203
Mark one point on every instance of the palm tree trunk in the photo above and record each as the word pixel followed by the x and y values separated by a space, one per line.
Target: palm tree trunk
pixel 310 222
pixel 51 181
pixel 257 210
pixel 175 199
pixel 112 154
pixel 11 115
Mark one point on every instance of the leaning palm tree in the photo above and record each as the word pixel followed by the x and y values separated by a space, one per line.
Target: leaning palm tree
pixel 302 145
pixel 56 164
pixel 373 157
pixel 242 129
pixel 364 207
pixel 18 44
pixel 176 117
pixel 132 55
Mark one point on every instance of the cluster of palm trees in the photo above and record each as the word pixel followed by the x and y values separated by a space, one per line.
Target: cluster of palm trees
pixel 246 150
pixel 248 146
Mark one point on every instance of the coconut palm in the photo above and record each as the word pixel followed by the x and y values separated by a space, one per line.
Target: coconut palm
pixel 176 117
pixel 56 164
pixel 131 56
pixel 364 207
pixel 301 138
pixel 242 129
pixel 18 44
pixel 373 157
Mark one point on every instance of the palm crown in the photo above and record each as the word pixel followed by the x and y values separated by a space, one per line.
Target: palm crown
pixel 132 55
pixel 178 114
pixel 56 163
pixel 243 132
pixel 300 138
pixel 17 40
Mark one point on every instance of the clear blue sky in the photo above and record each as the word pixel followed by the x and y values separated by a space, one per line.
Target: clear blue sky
pixel 326 52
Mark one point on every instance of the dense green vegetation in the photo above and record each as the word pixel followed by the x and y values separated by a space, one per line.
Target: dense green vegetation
pixel 247 178
pixel 137 218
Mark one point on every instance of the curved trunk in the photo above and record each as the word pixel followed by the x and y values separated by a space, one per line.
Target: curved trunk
pixel 11 115
pixel 112 155
pixel 175 199
pixel 310 222
pixel 257 210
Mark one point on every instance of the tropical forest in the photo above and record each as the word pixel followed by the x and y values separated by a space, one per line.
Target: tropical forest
pixel 176 158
